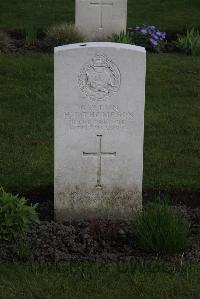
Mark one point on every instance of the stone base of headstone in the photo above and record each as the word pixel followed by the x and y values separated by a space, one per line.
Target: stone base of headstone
pixel 116 204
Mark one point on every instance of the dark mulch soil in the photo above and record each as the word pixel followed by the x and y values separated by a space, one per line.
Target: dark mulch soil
pixel 95 240
pixel 20 45
pixel 101 240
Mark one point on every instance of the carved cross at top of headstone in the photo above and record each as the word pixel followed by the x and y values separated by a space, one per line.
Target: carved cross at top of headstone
pixel 98 154
pixel 101 4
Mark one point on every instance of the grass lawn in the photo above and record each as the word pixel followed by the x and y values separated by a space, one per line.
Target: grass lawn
pixel 173 15
pixel 147 280
pixel 26 128
pixel 172 144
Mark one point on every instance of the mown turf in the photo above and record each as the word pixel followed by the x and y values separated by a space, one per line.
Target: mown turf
pixel 128 280
pixel 26 128
pixel 173 15
pixel 169 15
pixel 172 126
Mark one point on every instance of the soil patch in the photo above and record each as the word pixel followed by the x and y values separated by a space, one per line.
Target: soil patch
pixel 94 240
pixel 97 239
pixel 19 43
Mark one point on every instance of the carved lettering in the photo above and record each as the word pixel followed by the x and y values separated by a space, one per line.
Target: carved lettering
pixel 99 117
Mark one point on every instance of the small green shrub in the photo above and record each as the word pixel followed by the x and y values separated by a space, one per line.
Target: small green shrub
pixel 121 38
pixel 5 41
pixel 63 34
pixel 30 37
pixel 15 215
pixel 190 43
pixel 161 229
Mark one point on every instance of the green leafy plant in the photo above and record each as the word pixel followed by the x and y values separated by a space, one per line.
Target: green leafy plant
pixel 190 43
pixel 30 37
pixel 5 41
pixel 15 215
pixel 161 229
pixel 62 34
pixel 122 37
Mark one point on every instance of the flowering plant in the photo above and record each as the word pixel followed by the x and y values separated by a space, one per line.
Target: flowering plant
pixel 147 36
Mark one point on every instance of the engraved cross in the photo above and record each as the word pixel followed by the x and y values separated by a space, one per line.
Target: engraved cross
pixel 99 154
pixel 101 4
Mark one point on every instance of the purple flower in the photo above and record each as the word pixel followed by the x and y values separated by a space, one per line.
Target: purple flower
pixel 154 36
pixel 152 27
pixel 143 31
pixel 162 35
pixel 153 42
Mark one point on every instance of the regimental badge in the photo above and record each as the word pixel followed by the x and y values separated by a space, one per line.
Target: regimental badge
pixel 100 78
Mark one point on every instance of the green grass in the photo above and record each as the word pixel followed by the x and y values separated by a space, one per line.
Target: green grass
pixel 172 144
pixel 128 280
pixel 169 15
pixel 173 15
pixel 26 128
pixel 35 14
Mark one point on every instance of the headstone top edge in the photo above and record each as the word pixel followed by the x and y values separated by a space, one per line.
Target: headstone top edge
pixel 99 45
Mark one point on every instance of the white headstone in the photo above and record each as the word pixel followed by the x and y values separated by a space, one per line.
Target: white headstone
pixel 98 19
pixel 99 127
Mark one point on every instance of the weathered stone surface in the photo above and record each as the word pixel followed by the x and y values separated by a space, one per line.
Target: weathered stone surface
pixel 99 126
pixel 97 19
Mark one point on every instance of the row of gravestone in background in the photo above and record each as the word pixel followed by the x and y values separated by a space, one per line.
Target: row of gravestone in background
pixel 97 19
